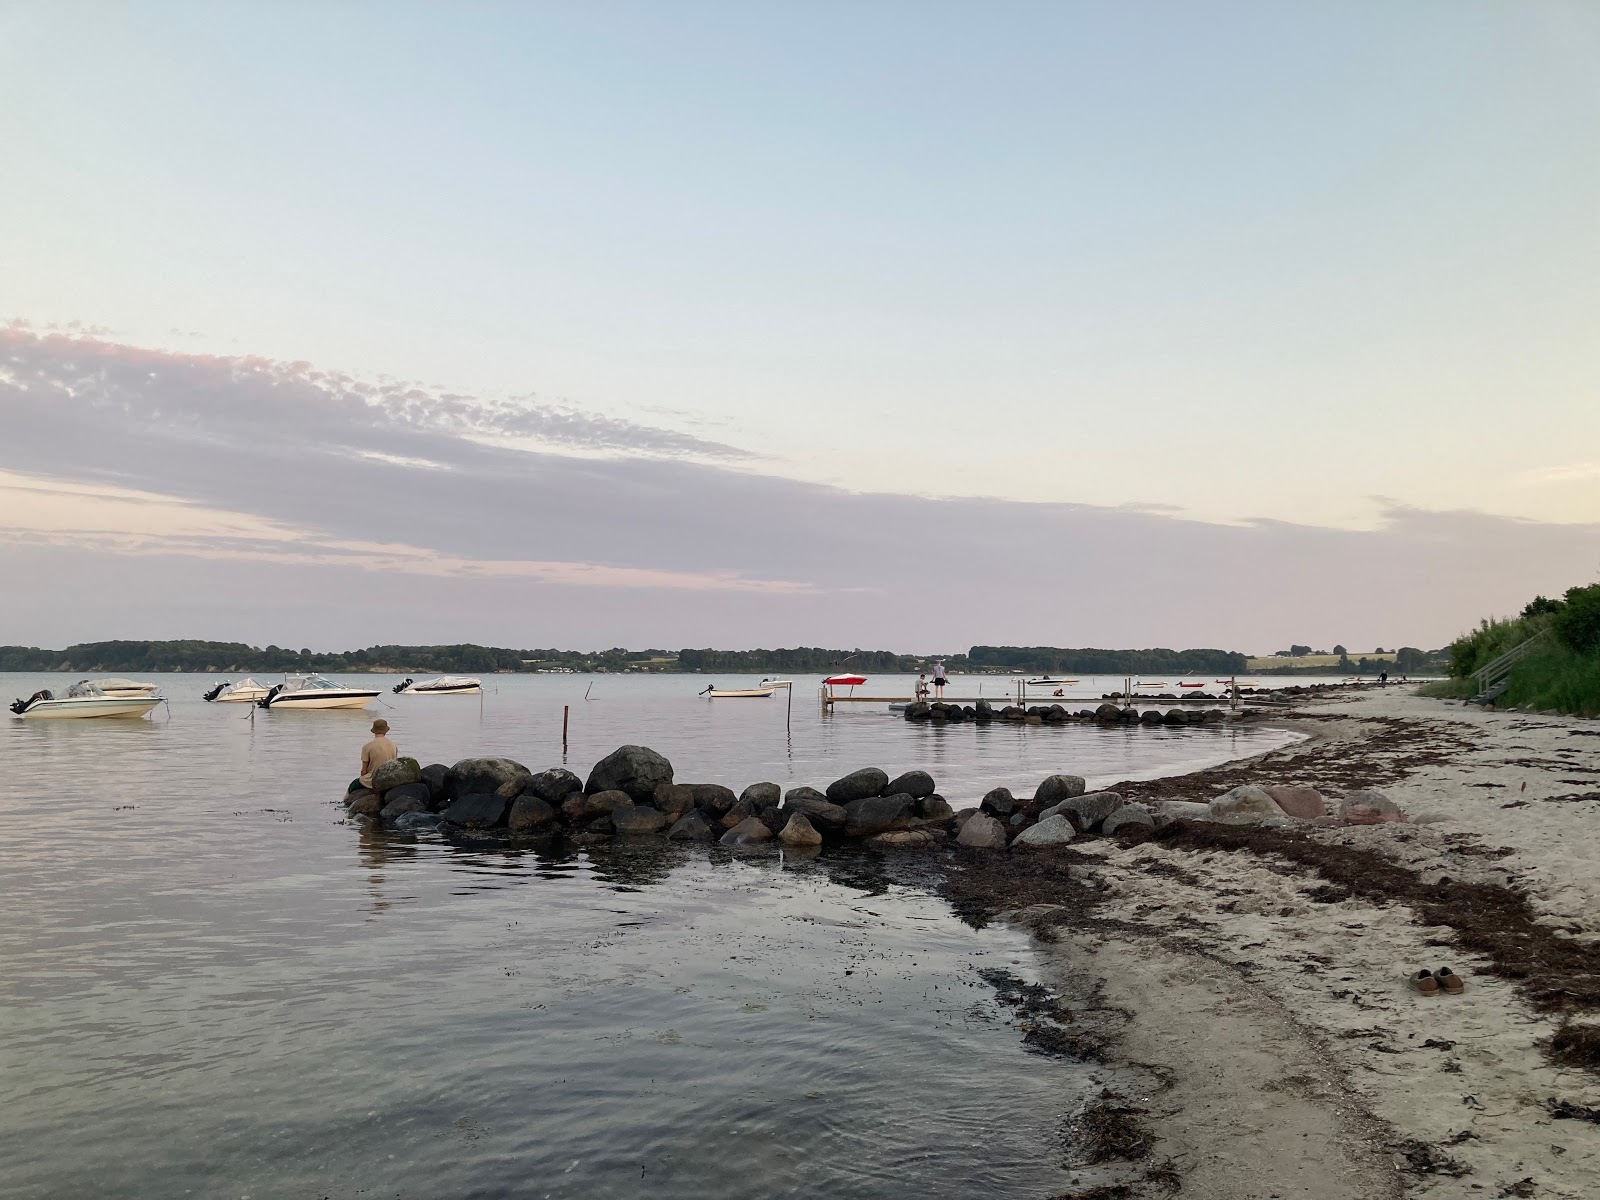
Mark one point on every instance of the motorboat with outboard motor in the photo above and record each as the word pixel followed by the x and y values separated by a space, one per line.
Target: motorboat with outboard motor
pixel 445 685
pixel 246 691
pixel 761 693
pixel 123 688
pixel 313 691
pixel 82 699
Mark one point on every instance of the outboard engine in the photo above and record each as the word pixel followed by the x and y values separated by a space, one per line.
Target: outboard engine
pixel 266 701
pixel 400 687
pixel 21 706
pixel 216 691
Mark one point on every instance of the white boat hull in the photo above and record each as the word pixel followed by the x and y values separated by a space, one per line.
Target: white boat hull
pixel 466 690
pixel 95 706
pixel 248 696
pixel 744 694
pixel 321 699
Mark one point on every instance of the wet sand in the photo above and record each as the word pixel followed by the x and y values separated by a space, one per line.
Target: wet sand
pixel 1249 989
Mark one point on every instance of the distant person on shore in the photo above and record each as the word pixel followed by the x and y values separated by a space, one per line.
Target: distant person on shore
pixel 938 678
pixel 922 686
pixel 1383 679
pixel 376 752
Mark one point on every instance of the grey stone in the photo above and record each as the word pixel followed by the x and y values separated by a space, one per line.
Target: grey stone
pixel 472 776
pixel 999 801
pixel 1129 816
pixel 636 770
pixel 1108 712
pixel 674 799
pixel 713 797
pixel 418 821
pixel 1050 831
pixel 477 810
pixel 638 819
pixel 511 789
pixel 823 813
pixel 1085 811
pixel 983 832
pixel 902 839
pixel 553 786
pixel 363 802
pixel 691 827
pixel 413 796
pixel 749 832
pixel 580 809
pixel 1244 805
pixel 434 775
pixel 1366 807
pixel 763 795
pixel 1058 788
pixel 934 808
pixel 858 785
pixel 915 784
pixel 876 814
pixel 1167 811
pixel 530 814
pixel 396 773
pixel 798 831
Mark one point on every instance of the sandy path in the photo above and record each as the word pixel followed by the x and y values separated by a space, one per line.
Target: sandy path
pixel 1299 1061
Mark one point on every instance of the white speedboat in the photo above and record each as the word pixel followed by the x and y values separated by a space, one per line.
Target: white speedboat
pixel 124 688
pixel 246 691
pixel 758 693
pixel 82 699
pixel 445 685
pixel 777 683
pixel 313 691
pixel 1047 681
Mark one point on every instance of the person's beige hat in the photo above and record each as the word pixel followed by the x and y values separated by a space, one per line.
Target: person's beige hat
pixel 380 726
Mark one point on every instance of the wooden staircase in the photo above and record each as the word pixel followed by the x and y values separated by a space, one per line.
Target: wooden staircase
pixel 1494 677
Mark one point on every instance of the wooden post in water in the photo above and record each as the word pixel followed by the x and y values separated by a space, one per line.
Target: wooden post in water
pixel 566 712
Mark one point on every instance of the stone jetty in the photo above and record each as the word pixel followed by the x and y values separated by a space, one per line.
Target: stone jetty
pixel 633 793
pixel 1107 713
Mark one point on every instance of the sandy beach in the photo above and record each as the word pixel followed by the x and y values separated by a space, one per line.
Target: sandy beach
pixel 1261 1037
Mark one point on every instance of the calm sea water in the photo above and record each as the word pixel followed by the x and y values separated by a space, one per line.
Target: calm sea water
pixel 214 986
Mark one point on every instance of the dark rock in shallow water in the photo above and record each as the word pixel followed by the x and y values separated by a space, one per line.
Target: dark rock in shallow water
pixel 915 784
pixel 876 814
pixel 477 811
pixel 934 808
pixel 983 832
pixel 713 797
pixel 1058 788
pixel 747 833
pixel 553 786
pixel 773 818
pixel 416 822
pixel 473 776
pixel 434 775
pixel 511 790
pixel 674 799
pixel 763 795
pixel 858 785
pixel 579 809
pixel 1108 712
pixel 531 814
pixel 413 796
pixel 584 840
pixel 999 802
pixel 1150 716
pixel 603 824
pixel 638 819
pixel 905 839
pixel 365 804
pixel 396 773
pixel 636 770
pixel 823 813
pixel 798 831
pixel 918 711
pixel 1175 716
pixel 691 828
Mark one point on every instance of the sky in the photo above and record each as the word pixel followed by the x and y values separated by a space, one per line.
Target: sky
pixel 895 325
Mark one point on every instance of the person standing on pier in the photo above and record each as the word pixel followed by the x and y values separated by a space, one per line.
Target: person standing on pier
pixel 938 679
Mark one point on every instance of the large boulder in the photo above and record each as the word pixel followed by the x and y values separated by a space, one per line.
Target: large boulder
pixel 1167 811
pixel 915 784
pixel 408 797
pixel 902 839
pixel 1085 811
pixel 1108 713
pixel 1051 831
pixel 823 813
pixel 367 803
pixel 477 810
pixel 691 827
pixel 876 814
pixel 750 832
pixel 713 797
pixel 762 795
pixel 1303 802
pixel 1369 808
pixel 1245 805
pixel 983 832
pixel 434 775
pixel 934 808
pixel 675 799
pixel 858 785
pixel 531 814
pixel 396 773
pixel 553 786
pixel 797 831
pixel 472 776
pixel 999 802
pixel 579 809
pixel 1129 816
pixel 359 793
pixel 510 790
pixel 1058 788
pixel 416 822
pixel 638 819
pixel 636 770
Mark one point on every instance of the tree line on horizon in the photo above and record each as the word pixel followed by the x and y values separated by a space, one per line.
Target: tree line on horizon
pixel 207 657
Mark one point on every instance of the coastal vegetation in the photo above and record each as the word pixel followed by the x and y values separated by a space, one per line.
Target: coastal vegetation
pixel 1560 673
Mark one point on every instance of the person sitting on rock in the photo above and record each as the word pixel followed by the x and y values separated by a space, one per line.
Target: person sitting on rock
pixel 377 752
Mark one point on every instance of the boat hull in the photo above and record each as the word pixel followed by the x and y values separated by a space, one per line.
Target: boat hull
pixel 320 699
pixel 98 706
pixel 466 690
pixel 250 696
pixel 744 694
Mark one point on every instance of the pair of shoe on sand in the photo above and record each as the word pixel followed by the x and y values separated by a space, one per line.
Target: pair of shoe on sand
pixel 1431 983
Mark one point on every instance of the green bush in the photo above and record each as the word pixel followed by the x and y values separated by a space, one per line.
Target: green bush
pixel 1449 689
pixel 1557 678
pixel 1577 622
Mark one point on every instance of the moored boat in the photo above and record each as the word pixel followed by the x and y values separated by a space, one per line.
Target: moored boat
pixel 246 691
pixel 758 693
pixel 445 685
pixel 313 691
pixel 82 699
pixel 777 683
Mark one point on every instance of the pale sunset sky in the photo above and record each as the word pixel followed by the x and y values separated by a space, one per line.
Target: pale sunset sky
pixel 894 325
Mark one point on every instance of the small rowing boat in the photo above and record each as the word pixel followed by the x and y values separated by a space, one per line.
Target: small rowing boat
pixel 757 693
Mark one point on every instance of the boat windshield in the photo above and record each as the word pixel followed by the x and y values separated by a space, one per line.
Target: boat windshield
pixel 83 690
pixel 306 683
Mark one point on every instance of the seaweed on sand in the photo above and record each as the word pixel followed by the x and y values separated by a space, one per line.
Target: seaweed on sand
pixel 1576 1046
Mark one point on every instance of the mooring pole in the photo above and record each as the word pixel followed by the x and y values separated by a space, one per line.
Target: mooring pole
pixel 566 712
pixel 788 715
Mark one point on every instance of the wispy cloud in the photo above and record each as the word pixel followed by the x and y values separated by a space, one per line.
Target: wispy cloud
pixel 1564 473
